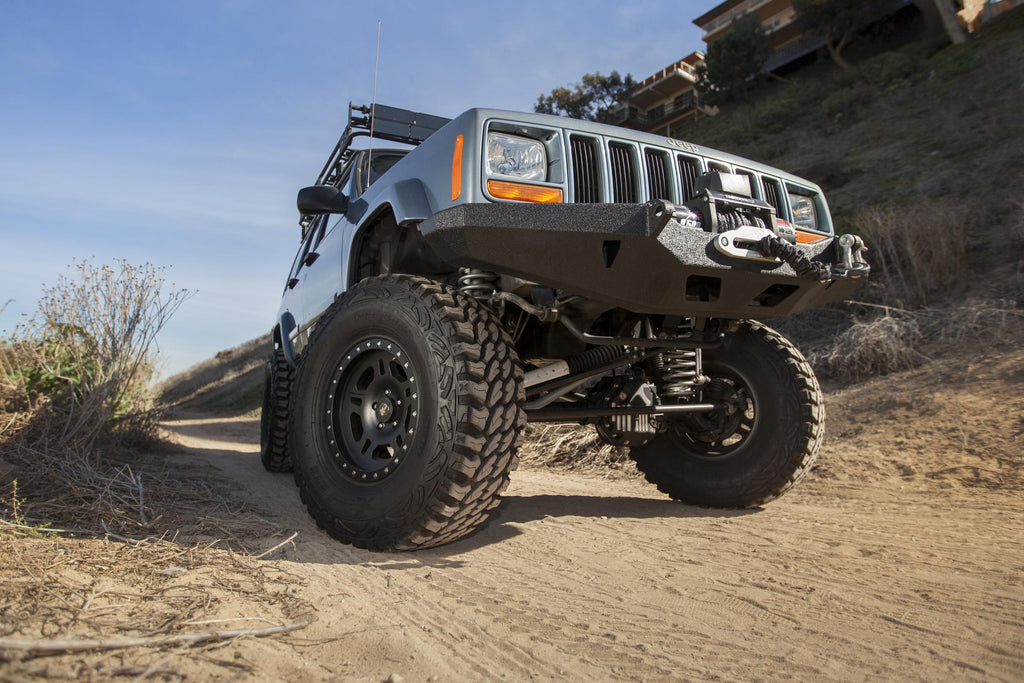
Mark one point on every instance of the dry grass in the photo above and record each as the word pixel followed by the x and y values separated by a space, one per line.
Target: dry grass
pixel 927 296
pixel 978 321
pixel 574 448
pixel 887 339
pixel 74 397
pixel 919 252
pixel 98 595
pixel 875 347
pixel 112 545
pixel 233 375
pixel 129 494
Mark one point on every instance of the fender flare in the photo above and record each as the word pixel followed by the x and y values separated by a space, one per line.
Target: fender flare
pixel 407 200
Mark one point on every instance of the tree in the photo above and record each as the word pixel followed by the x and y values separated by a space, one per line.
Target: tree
pixel 946 12
pixel 734 62
pixel 593 99
pixel 838 21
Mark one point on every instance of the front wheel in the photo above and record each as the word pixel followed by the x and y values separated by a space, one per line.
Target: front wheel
pixel 406 415
pixel 759 443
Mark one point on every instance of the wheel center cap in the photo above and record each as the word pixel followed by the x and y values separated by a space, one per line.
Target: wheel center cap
pixel 385 409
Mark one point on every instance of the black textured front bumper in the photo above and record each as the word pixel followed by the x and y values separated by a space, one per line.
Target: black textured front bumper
pixel 624 256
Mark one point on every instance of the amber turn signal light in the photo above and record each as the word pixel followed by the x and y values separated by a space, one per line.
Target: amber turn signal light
pixel 804 237
pixel 502 189
pixel 457 169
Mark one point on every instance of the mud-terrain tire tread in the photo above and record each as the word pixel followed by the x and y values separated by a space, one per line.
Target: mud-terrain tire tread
pixel 274 415
pixel 782 463
pixel 469 463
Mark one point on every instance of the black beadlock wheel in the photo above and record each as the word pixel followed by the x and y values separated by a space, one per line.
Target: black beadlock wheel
pixel 373 406
pixel 761 441
pixel 277 384
pixel 406 415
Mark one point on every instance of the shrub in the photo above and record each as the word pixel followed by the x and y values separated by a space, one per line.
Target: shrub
pixel 843 105
pixel 84 357
pixel 75 374
pixel 892 70
pixel 875 347
pixel 883 339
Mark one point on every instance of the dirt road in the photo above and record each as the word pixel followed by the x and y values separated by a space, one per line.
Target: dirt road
pixel 584 578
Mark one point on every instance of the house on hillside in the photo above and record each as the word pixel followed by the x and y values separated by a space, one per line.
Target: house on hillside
pixel 665 101
pixel 914 19
pixel 977 12
pixel 778 21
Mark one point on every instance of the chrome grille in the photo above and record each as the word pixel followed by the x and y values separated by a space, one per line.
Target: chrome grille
pixel 719 166
pixel 586 181
pixel 657 175
pixel 603 170
pixel 771 195
pixel 623 173
pixel 689 171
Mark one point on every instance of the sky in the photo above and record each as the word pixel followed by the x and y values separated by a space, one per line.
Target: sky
pixel 178 133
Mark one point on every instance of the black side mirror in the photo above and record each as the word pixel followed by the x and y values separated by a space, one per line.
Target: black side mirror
pixel 319 199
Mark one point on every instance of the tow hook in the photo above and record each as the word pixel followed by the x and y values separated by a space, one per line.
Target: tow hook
pixel 851 262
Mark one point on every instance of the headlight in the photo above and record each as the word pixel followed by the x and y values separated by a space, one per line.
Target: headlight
pixel 516 157
pixel 805 215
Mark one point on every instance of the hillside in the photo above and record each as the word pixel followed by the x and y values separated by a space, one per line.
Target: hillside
pixel 924 141
pixel 229 383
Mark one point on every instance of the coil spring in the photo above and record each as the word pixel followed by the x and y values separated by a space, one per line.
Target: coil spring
pixel 479 284
pixel 678 371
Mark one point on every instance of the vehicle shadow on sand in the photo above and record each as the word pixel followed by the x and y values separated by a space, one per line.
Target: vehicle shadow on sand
pixel 233 462
pixel 527 508
pixel 517 509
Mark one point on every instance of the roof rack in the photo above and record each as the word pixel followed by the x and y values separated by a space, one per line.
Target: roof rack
pixel 377 121
pixel 382 122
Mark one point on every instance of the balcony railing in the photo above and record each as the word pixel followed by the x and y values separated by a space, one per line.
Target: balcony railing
pixel 669 70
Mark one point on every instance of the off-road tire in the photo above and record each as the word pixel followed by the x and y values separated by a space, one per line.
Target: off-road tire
pixel 277 385
pixel 437 370
pixel 776 438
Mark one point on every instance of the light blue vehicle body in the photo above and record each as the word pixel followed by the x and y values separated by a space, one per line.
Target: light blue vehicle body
pixel 412 206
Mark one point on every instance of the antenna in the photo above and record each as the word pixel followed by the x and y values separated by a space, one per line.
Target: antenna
pixel 373 106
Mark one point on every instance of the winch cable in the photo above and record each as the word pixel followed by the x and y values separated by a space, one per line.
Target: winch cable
pixel 772 245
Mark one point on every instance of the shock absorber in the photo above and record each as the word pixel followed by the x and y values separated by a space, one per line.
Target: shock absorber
pixel 479 284
pixel 678 372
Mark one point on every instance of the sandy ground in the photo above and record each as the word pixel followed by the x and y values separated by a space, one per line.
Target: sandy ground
pixel 901 557
pixel 584 578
